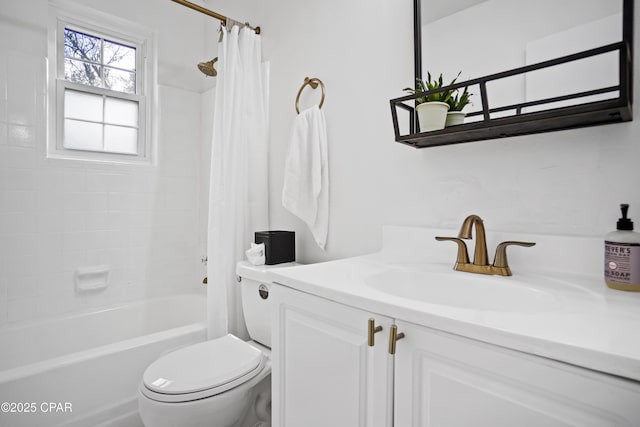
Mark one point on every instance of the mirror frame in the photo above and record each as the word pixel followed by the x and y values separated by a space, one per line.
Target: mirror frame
pixel 581 115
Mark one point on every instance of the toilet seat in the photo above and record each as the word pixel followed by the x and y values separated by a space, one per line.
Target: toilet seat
pixel 202 370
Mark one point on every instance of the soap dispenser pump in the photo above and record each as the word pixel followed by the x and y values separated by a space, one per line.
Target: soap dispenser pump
pixel 622 255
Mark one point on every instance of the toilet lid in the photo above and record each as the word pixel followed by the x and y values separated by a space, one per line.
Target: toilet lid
pixel 203 366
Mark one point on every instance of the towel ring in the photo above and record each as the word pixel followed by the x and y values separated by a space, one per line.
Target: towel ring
pixel 313 82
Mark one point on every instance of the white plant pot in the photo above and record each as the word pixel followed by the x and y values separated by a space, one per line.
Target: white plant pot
pixel 432 115
pixel 455 118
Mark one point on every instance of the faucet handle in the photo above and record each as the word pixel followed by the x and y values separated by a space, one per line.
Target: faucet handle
pixel 500 260
pixel 463 255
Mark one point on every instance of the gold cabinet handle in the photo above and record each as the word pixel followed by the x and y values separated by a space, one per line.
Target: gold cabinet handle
pixel 372 330
pixel 393 337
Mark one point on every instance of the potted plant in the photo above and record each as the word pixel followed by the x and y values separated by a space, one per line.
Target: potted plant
pixel 457 102
pixel 432 109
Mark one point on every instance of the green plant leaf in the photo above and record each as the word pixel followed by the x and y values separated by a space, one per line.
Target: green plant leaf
pixel 455 100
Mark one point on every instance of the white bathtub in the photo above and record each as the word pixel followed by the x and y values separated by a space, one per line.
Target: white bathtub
pixel 83 370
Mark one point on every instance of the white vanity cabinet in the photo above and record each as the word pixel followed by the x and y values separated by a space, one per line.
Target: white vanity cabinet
pixel 325 374
pixel 446 380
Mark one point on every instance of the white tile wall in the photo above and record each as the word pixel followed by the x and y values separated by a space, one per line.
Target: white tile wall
pixel 59 215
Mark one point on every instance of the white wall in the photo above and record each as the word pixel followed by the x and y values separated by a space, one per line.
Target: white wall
pixel 56 216
pixel 568 182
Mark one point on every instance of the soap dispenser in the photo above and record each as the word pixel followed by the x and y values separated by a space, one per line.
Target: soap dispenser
pixel 622 255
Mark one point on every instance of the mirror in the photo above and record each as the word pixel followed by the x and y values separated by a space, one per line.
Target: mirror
pixel 531 67
pixel 483 37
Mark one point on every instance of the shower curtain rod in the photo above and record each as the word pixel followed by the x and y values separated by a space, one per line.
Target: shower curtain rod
pixel 211 13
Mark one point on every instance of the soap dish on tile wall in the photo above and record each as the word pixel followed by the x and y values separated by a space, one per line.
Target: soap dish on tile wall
pixel 92 278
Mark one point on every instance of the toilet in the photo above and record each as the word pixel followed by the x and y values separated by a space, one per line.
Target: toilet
pixel 223 382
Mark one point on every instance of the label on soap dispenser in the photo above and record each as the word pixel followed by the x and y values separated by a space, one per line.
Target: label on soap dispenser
pixel 622 262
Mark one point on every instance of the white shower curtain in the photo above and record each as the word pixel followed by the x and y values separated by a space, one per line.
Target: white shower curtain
pixel 238 198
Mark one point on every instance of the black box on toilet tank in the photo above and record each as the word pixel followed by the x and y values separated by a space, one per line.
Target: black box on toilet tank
pixel 279 246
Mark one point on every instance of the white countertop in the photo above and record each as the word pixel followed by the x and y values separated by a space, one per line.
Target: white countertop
pixel 585 323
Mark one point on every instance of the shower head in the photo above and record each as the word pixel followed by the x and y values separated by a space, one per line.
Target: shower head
pixel 207 67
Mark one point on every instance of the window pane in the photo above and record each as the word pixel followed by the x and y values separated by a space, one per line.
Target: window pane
pixel 122 81
pixel 81 46
pixel 82 72
pixel 119 139
pixel 119 56
pixel 84 106
pixel 121 112
pixel 82 135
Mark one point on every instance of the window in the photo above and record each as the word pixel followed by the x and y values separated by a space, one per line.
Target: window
pixel 100 93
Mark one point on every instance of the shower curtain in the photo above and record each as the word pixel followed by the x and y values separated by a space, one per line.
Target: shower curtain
pixel 238 197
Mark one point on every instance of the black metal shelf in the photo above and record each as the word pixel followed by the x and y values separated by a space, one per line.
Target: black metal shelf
pixel 599 113
pixel 613 110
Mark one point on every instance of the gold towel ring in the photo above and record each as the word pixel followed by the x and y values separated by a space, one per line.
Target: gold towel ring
pixel 313 82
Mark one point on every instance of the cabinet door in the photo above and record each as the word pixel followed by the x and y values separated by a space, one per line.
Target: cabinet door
pixel 324 372
pixel 444 380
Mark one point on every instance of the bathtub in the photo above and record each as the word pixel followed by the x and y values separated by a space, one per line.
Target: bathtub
pixel 83 370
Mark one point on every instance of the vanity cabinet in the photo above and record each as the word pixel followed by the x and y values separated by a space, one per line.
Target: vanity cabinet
pixel 446 380
pixel 325 374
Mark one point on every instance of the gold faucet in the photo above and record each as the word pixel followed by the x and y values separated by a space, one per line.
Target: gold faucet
pixel 480 258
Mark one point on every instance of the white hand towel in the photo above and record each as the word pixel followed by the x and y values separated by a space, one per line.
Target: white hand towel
pixel 306 174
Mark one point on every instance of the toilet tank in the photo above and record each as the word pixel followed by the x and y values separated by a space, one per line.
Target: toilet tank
pixel 256 302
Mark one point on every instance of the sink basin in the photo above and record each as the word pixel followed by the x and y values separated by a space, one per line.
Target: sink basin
pixel 466 290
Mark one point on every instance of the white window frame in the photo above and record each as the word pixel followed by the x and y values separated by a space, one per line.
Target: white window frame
pixel 65 14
